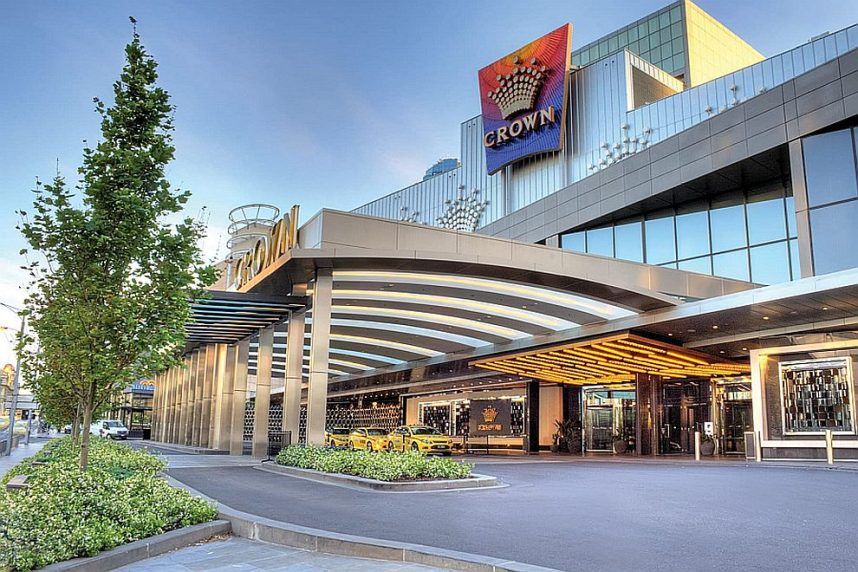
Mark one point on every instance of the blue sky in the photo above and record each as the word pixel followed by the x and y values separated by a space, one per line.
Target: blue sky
pixel 325 104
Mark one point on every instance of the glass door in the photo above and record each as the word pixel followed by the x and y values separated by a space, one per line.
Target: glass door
pixel 735 415
pixel 600 428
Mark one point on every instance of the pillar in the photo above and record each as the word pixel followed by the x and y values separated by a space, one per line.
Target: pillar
pixel 199 380
pixel 239 398
pixel 223 410
pixel 156 405
pixel 168 405
pixel 648 403
pixel 174 403
pixel 206 395
pixel 294 371
pixel 263 391
pixel 182 398
pixel 187 435
pixel 531 439
pixel 320 338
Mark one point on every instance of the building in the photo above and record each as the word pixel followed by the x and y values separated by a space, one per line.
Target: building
pixel 659 218
pixel 134 408
pixel 441 166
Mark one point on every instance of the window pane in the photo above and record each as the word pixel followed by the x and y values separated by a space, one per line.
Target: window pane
pixel 629 241
pixel 834 234
pixel 731 265
pixel 770 263
pixel 601 241
pixel 573 241
pixel 829 168
pixel 702 265
pixel 766 221
pixel 790 214
pixel 728 228
pixel 660 240
pixel 795 266
pixel 692 234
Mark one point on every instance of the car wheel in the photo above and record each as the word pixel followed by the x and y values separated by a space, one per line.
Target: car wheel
pixel 351 445
pixel 390 446
pixel 369 447
pixel 415 447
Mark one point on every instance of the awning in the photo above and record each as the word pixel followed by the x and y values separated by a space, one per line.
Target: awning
pixel 613 359
pixel 227 317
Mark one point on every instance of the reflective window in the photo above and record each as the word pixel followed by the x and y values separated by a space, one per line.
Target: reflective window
pixel 792 231
pixel 692 234
pixel 795 265
pixel 703 265
pixel 834 237
pixel 660 240
pixel 731 265
pixel 573 241
pixel 601 241
pixel 728 228
pixel 770 263
pixel 628 241
pixel 829 168
pixel 766 221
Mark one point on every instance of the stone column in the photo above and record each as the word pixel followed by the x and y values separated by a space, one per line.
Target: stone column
pixel 174 402
pixel 239 398
pixel 531 441
pixel 181 410
pixel 190 398
pixel 226 374
pixel 207 390
pixel 199 381
pixel 320 332
pixel 263 391
pixel 168 407
pixel 294 370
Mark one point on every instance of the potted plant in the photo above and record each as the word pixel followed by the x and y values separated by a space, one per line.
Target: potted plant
pixel 707 445
pixel 620 443
pixel 556 437
pixel 566 438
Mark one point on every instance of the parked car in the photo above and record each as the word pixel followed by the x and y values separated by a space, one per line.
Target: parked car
pixel 369 438
pixel 67 429
pixel 110 428
pixel 419 438
pixel 337 437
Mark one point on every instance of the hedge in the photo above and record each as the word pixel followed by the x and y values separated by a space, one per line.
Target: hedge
pixel 66 513
pixel 382 466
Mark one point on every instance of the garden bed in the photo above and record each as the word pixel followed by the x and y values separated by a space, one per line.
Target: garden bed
pixel 65 513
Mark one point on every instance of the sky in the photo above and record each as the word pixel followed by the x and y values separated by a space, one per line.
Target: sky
pixel 322 104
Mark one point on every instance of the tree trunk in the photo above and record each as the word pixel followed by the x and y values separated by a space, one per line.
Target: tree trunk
pixel 75 434
pixel 85 435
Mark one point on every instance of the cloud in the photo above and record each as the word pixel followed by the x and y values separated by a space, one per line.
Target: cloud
pixel 13 281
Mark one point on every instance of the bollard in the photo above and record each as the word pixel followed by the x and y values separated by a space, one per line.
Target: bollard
pixel 829 446
pixel 697 445
pixel 758 446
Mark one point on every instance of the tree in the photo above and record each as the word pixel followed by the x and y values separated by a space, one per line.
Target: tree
pixel 110 289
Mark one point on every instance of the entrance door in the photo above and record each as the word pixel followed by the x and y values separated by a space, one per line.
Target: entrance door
pixel 685 409
pixel 600 428
pixel 736 418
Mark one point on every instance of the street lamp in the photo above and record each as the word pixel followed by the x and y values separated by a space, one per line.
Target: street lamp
pixel 16 384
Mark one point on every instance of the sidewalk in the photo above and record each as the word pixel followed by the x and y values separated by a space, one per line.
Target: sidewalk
pixel 20 453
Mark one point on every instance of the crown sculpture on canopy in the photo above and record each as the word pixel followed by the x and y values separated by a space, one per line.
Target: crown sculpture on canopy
pixel 519 89
pixel 464 213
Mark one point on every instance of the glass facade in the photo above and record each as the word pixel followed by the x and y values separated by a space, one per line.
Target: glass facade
pixel 832 198
pixel 743 236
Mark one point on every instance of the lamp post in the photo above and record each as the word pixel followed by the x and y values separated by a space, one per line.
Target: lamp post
pixel 16 384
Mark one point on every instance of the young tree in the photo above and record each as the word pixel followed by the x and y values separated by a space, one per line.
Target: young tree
pixel 110 297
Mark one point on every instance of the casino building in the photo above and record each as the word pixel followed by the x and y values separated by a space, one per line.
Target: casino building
pixel 647 241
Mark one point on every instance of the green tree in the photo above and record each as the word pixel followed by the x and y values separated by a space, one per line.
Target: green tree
pixel 111 285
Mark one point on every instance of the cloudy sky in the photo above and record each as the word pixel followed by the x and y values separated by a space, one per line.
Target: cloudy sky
pixel 325 104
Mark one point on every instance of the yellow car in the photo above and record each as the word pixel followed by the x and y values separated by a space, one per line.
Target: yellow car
pixel 369 438
pixel 337 437
pixel 419 438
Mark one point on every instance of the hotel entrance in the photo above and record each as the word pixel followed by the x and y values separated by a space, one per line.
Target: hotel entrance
pixel 685 408
pixel 734 414
pixel 609 419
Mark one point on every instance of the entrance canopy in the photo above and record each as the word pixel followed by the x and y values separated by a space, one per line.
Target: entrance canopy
pixel 227 317
pixel 613 359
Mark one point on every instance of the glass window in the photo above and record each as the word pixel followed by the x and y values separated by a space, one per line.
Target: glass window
pixel 795 265
pixel 653 24
pixel 731 265
pixel 633 34
pixel 601 241
pixel 770 263
pixel 675 14
pixel 679 60
pixel 573 241
pixel 766 221
pixel 664 19
pixel 660 240
pixel 692 234
pixel 613 44
pixel 676 31
pixel 728 228
pixel 829 168
pixel 629 241
pixel 833 232
pixel 792 231
pixel 703 265
pixel 624 38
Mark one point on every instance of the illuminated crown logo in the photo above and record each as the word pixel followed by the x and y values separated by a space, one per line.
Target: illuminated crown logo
pixel 490 414
pixel 517 91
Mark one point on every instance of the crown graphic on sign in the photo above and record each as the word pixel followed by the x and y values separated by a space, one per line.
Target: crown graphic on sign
pixel 490 414
pixel 517 91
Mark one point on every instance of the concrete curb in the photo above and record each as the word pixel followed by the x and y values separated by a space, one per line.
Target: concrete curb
pixel 256 527
pixel 144 548
pixel 475 482
pixel 185 448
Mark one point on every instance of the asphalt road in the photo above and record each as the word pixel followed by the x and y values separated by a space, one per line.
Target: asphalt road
pixel 586 515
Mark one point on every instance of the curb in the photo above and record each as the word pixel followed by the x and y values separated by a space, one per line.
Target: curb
pixel 184 448
pixel 144 548
pixel 474 482
pixel 264 529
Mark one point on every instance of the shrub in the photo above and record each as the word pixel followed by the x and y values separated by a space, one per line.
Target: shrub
pixel 382 466
pixel 67 513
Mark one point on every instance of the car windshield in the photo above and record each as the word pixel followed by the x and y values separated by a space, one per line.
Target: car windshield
pixel 339 431
pixel 376 431
pixel 425 431
pixel 111 424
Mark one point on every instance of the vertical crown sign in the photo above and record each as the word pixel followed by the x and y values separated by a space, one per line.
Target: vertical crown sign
pixel 517 91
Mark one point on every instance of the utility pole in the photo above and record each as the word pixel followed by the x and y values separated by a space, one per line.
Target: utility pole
pixel 16 385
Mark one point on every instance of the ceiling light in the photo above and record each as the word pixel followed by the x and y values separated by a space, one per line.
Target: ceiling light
pixel 765 317
pixel 714 327
pixel 825 307
pixel 744 349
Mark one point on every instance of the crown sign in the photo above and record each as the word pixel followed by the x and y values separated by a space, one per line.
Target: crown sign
pixel 490 414
pixel 517 91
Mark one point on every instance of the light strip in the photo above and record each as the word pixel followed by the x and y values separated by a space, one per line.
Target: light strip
pixel 403 329
pixel 382 343
pixel 494 329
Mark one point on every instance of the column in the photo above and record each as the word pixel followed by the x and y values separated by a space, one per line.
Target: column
pixel 168 406
pixel 187 431
pixel 263 391
pixel 294 370
pixel 180 402
pixel 199 380
pixel 317 392
pixel 175 371
pixel 207 390
pixel 226 373
pixel 239 398
pixel 155 415
pixel 531 439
